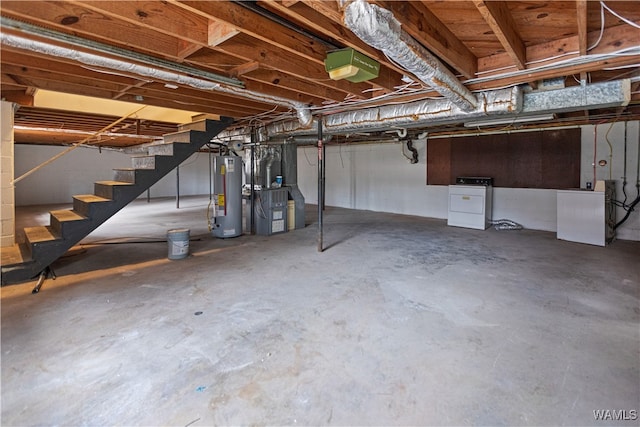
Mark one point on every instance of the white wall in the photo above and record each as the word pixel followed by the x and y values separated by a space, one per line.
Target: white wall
pixel 373 177
pixel 378 177
pixel 610 146
pixel 75 173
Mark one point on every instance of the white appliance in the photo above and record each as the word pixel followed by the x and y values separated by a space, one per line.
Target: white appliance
pixel 470 206
pixel 586 216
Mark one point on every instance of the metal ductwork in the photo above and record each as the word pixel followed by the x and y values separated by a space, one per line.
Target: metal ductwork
pixel 143 66
pixel 378 28
pixel 501 102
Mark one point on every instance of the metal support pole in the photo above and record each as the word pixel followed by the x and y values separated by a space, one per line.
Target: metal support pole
pixel 324 173
pixel 148 195
pixel 178 187
pixel 252 178
pixel 320 183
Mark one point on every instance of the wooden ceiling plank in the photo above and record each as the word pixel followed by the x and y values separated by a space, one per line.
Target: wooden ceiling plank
pixel 278 79
pixel 256 26
pixel 390 75
pixel 163 17
pixel 497 15
pixel 193 95
pixel 28 74
pixel 613 39
pixel 274 34
pixel 563 71
pixel 253 50
pixel 419 22
pixel 92 25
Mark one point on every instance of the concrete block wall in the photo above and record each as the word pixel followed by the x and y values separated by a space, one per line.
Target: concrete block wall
pixel 7 194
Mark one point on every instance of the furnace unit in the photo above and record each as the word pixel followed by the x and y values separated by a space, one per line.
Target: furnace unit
pixel 271 211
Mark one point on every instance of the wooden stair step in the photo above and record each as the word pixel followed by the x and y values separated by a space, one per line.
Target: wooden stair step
pixel 91 198
pixel 16 254
pixel 114 183
pixel 67 215
pixel 40 234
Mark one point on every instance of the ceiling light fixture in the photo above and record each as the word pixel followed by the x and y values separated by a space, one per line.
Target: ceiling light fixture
pixel 509 120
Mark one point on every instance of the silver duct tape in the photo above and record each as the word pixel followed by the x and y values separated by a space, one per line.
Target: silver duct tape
pixel 414 114
pixel 378 28
pixel 302 110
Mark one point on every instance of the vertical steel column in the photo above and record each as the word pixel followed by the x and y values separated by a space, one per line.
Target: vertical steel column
pixel 178 187
pixel 148 195
pixel 324 173
pixel 320 182
pixel 252 179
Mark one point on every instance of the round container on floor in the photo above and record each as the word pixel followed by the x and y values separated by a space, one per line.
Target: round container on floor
pixel 178 241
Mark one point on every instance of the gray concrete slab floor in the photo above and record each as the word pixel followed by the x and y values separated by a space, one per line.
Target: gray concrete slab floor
pixel 400 321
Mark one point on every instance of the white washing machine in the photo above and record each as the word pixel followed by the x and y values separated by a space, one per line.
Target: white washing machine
pixel 470 206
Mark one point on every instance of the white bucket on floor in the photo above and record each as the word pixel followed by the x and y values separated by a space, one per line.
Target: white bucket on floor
pixel 178 241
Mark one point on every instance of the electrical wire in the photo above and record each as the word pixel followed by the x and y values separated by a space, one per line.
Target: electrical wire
pixel 606 137
pixel 601 27
pixel 620 17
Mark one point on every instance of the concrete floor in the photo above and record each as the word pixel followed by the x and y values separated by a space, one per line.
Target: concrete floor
pixel 401 321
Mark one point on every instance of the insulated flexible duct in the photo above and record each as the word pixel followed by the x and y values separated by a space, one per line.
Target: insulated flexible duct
pixel 378 28
pixel 302 111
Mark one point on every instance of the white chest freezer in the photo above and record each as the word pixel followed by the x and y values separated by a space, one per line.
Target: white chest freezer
pixel 470 206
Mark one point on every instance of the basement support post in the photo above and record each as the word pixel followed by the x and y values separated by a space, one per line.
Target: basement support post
pixel 324 173
pixel 252 179
pixel 320 183
pixel 178 187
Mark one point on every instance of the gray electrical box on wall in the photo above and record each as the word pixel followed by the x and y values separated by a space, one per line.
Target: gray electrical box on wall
pixel 271 211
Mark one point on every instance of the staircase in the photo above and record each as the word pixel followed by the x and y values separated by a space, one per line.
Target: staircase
pixel 43 245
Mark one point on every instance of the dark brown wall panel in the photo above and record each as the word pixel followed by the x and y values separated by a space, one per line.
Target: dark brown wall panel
pixel 439 161
pixel 549 159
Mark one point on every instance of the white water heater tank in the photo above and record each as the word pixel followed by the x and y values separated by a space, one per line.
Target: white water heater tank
pixel 227 189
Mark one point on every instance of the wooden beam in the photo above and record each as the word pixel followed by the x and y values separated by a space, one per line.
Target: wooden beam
pixel 219 32
pixel 581 18
pixel 279 79
pixel 18 96
pixel 186 49
pixel 613 39
pixel 390 76
pixel 163 17
pixel 244 68
pixel 497 15
pixel 251 49
pixel 419 22
pixel 92 25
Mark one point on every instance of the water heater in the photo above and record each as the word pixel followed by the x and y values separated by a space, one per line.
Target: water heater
pixel 227 189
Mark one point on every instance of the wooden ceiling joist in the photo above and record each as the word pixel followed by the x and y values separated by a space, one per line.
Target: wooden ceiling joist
pixel 497 15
